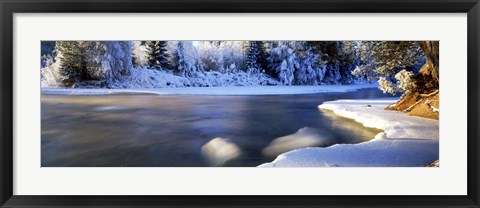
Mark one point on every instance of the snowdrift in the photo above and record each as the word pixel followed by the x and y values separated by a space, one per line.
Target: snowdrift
pixel 406 142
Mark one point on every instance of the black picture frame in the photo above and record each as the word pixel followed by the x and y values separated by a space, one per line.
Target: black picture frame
pixel 9 7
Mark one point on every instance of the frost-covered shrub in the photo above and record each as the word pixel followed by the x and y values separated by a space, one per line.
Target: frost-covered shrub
pixel 150 78
pixel 404 83
pixel 216 79
pixel 386 86
pixel 404 80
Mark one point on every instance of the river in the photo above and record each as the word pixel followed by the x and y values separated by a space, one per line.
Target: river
pixel 179 130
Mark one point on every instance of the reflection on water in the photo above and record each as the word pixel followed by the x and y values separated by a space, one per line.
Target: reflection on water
pixel 189 131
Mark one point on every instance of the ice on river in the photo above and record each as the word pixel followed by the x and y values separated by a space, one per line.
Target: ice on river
pixel 304 137
pixel 407 141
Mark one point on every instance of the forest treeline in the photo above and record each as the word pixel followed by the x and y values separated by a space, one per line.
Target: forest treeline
pixel 99 63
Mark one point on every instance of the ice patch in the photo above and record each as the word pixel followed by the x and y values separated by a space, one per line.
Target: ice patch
pixel 411 142
pixel 220 150
pixel 304 137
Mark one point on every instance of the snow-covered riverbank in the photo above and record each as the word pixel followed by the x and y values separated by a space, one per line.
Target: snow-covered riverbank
pixel 245 90
pixel 406 142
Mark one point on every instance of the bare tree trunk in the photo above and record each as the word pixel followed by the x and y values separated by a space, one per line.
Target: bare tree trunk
pixel 430 72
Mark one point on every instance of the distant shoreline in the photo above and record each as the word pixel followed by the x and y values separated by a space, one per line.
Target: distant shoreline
pixel 237 90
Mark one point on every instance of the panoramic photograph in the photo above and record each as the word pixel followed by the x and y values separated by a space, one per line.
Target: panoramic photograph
pixel 249 103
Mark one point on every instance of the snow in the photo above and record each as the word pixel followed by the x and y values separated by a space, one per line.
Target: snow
pixel 150 78
pixel 220 150
pixel 231 90
pixel 304 137
pixel 407 141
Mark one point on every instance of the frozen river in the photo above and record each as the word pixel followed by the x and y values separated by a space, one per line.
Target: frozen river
pixel 181 130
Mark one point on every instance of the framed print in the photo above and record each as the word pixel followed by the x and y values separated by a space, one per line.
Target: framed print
pixel 239 104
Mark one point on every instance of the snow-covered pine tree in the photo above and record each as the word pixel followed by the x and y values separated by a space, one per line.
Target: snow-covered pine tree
pixel 73 62
pixel 282 61
pixel 256 57
pixel 269 46
pixel 346 61
pixel 153 53
pixel 251 64
pixel 116 61
pixel 307 65
pixel 328 51
pixel 337 62
pixel 158 58
pixel 185 59
pixel 164 55
pixel 262 55
pixel 180 60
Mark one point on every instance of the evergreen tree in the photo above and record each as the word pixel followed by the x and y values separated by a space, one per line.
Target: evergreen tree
pixel 73 63
pixel 115 61
pixel 256 57
pixel 158 58
pixel 338 60
pixel 165 56
pixel 308 71
pixel 180 60
pixel 251 64
pixel 262 55
pixel 283 62
pixel 269 49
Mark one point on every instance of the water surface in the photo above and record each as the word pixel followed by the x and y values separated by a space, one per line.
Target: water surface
pixel 170 130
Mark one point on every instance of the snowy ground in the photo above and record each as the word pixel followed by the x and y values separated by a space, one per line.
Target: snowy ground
pixel 406 142
pixel 240 90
